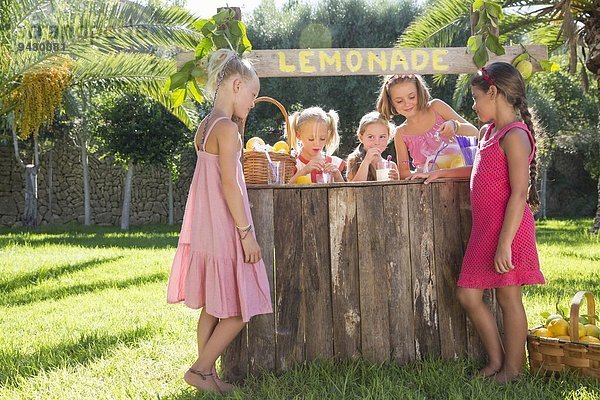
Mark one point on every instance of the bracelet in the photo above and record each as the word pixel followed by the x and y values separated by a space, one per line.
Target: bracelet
pixel 456 125
pixel 243 229
pixel 245 232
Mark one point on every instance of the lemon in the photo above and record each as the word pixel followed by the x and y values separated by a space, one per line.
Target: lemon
pixel 303 180
pixel 281 146
pixel 551 317
pixel 558 327
pixel 254 143
pixel 567 338
pixel 581 329
pixel 589 339
pixel 525 68
pixel 592 330
pixel 541 332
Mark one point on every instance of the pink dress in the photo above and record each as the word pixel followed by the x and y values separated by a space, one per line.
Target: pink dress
pixel 209 269
pixel 490 191
pixel 427 143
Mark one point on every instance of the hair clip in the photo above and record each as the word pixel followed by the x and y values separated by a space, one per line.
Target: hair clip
pixel 486 76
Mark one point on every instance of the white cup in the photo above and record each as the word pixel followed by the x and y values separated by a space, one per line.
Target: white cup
pixel 383 170
pixel 324 177
pixel 275 173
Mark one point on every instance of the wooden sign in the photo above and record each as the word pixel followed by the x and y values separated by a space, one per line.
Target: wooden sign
pixel 374 61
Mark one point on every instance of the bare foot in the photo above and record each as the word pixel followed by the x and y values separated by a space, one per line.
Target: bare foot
pixel 204 382
pixel 223 386
pixel 503 376
pixel 489 370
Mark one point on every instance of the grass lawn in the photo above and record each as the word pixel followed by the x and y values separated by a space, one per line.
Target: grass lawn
pixel 83 316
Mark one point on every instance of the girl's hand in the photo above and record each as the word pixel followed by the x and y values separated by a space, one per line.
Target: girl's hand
pixel 503 259
pixel 372 154
pixel 449 129
pixel 251 249
pixel 313 165
pixel 428 176
pixel 393 174
pixel 334 172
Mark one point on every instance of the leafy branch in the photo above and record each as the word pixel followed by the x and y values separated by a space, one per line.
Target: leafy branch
pixel 223 30
pixel 489 13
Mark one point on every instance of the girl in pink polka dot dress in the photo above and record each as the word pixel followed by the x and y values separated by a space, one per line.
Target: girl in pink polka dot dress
pixel 501 253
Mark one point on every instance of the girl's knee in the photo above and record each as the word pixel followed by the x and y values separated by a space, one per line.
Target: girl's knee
pixel 469 298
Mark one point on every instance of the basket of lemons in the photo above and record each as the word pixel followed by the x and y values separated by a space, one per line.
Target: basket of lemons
pixel 571 342
pixel 262 161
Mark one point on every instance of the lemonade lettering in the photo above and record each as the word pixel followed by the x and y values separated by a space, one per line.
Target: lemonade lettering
pixel 378 61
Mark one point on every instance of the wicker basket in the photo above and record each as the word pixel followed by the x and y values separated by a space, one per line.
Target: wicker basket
pixel 550 355
pixel 256 163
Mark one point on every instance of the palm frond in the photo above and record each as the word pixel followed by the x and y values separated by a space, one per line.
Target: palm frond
pixel 461 90
pixel 442 22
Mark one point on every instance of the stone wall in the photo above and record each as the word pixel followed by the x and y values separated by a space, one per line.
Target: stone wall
pixel 149 191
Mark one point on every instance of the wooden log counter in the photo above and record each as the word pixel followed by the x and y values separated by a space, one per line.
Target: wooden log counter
pixel 358 270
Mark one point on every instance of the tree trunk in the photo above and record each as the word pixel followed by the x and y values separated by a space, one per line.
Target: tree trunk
pixel 50 186
pixel 596 227
pixel 543 192
pixel 170 197
pixel 87 211
pixel 30 213
pixel 127 197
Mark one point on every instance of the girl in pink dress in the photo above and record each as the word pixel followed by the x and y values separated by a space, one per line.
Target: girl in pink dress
pixel 502 252
pixel 407 95
pixel 218 265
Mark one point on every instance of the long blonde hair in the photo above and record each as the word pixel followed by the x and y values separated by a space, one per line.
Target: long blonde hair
pixel 330 118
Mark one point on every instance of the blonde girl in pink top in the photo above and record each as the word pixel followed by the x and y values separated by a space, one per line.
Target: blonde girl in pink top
pixel 427 120
pixel 502 252
pixel 218 264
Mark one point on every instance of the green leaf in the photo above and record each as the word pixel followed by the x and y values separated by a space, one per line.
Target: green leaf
pixel 520 57
pixel 179 79
pixel 494 10
pixel 188 66
pixel 209 28
pixel 167 86
pixel 474 42
pixel 204 47
pixel 200 24
pixel 477 5
pixel 222 16
pixel 545 314
pixel 178 96
pixel 481 56
pixel 493 44
pixel 195 91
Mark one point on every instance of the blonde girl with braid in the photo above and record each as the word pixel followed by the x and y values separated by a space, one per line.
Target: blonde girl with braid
pixel 315 134
pixel 218 265
pixel 502 252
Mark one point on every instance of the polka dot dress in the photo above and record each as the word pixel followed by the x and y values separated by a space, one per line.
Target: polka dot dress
pixel 490 191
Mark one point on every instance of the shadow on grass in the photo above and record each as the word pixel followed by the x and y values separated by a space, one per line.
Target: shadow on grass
pixel 56 294
pixel 89 347
pixel 143 237
pixel 36 277
pixel 566 286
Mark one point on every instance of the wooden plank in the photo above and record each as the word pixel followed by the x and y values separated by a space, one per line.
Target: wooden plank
pixel 344 272
pixel 261 328
pixel 289 314
pixel 375 337
pixel 316 274
pixel 448 260
pixel 371 61
pixel 399 276
pixel 234 360
pixel 427 332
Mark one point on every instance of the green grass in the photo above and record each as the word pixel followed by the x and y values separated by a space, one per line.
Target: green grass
pixel 83 316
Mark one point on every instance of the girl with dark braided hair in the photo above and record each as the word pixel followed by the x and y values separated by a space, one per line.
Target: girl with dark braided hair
pixel 502 252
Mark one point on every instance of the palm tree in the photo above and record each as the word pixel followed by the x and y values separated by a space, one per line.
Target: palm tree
pixel 98 45
pixel 556 23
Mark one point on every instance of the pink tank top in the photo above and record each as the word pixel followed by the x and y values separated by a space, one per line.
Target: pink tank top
pixel 426 143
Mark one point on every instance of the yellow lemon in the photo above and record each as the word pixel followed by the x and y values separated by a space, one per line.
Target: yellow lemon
pixel 589 339
pixel 542 332
pixel 551 317
pixel 303 180
pixel 581 329
pixel 254 142
pixel 592 330
pixel 281 146
pixel 558 327
pixel 567 338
